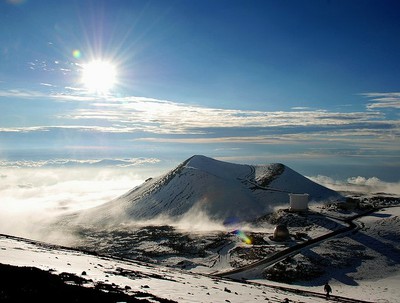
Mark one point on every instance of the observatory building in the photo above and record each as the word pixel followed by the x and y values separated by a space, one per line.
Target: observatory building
pixel 298 202
pixel 281 233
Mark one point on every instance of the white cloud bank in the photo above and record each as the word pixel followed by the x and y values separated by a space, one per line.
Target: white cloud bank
pixel 359 184
pixel 132 113
pixel 32 196
pixel 383 100
pixel 112 162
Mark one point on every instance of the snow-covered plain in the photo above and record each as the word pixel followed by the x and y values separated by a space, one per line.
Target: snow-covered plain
pixel 363 265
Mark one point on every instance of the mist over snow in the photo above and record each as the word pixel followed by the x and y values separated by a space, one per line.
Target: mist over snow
pixel 30 197
pixel 359 184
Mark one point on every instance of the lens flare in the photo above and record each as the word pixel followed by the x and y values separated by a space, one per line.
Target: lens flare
pixel 76 53
pixel 242 236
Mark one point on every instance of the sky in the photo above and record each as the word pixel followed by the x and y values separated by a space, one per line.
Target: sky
pixel 137 87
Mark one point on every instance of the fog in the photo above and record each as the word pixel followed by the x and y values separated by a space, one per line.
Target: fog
pixel 32 197
pixel 196 220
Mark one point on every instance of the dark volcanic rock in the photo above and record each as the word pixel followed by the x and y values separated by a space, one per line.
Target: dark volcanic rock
pixel 30 284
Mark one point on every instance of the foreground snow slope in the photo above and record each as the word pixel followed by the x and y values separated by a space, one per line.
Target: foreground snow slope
pixel 219 189
pixel 132 277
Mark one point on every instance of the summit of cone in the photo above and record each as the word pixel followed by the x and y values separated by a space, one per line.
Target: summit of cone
pixel 219 189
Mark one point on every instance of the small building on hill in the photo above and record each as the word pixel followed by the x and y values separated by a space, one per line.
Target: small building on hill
pixel 298 202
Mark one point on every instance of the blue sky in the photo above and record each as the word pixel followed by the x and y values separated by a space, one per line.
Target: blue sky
pixel 312 84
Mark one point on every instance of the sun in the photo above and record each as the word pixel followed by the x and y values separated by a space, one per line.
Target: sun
pixel 99 76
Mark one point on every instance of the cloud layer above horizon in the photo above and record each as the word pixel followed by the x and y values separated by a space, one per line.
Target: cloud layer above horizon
pixel 131 113
pixel 76 120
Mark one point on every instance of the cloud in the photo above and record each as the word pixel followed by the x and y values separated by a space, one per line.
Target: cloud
pixel 33 197
pixel 81 128
pixel 139 114
pixel 54 66
pixel 127 162
pixel 149 122
pixel 132 110
pixel 167 118
pixel 70 94
pixel 25 129
pixel 383 100
pixel 359 184
pixel 363 137
pixel 22 93
pixel 47 84
pixel 142 119
pixel 301 108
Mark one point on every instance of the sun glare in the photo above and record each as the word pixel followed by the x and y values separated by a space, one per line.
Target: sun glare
pixel 99 76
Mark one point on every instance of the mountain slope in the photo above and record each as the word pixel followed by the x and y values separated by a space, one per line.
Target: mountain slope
pixel 219 189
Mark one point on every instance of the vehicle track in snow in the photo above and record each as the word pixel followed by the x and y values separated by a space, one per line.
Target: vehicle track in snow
pixel 278 256
pixel 237 274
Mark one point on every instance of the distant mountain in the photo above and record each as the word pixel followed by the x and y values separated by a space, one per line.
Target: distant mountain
pixel 219 189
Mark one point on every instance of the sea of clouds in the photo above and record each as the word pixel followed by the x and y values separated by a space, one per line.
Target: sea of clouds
pixel 31 196
pixel 359 184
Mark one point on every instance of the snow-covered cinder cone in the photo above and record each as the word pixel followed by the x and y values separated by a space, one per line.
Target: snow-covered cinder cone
pixel 216 189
